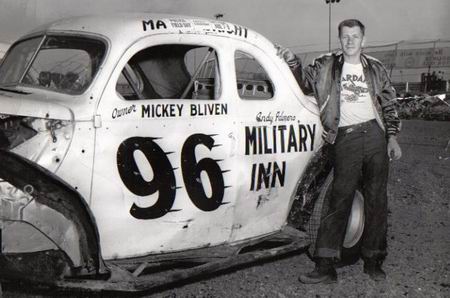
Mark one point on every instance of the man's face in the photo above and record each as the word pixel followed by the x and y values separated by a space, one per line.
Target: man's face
pixel 351 39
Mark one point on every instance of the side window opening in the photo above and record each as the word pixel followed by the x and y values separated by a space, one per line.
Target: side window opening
pixel 253 82
pixel 171 71
pixel 130 84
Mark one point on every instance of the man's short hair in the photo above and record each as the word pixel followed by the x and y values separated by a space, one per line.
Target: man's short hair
pixel 351 23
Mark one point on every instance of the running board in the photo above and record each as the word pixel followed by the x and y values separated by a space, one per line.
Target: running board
pixel 147 274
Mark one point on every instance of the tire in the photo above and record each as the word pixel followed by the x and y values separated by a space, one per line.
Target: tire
pixel 355 226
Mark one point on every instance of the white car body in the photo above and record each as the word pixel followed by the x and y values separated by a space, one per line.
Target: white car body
pixel 138 163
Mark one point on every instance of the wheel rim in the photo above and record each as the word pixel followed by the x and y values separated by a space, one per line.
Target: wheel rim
pixel 355 225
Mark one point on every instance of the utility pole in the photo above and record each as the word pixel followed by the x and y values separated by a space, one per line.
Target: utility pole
pixel 329 2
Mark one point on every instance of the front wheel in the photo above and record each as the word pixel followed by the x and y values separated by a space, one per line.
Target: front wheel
pixel 355 225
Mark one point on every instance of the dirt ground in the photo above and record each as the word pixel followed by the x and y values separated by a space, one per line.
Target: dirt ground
pixel 418 263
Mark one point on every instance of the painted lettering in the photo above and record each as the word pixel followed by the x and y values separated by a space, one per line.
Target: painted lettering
pixel 260 117
pixel 158 25
pixel 279 139
pixel 267 176
pixel 269 118
pixel 250 140
pixel 281 117
pixel 236 30
pixel 164 181
pixel 119 112
pixel 161 110
pixel 208 109
pixel 180 23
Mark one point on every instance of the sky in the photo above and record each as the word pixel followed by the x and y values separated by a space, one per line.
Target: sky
pixel 299 24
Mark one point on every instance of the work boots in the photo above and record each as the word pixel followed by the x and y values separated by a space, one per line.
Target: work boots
pixel 372 267
pixel 323 272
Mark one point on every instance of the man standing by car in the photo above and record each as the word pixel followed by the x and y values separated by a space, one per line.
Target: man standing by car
pixel 360 123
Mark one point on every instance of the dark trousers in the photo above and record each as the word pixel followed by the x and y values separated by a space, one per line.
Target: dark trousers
pixel 358 155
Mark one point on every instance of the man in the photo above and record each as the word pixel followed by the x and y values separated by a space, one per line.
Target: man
pixel 355 99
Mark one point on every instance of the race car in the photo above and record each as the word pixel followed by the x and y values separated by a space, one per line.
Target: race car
pixel 141 149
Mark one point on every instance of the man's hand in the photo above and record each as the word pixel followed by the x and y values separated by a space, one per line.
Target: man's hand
pixel 393 148
pixel 287 55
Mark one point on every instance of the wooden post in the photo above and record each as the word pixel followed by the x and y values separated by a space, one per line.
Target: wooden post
pixel 329 27
pixel 393 60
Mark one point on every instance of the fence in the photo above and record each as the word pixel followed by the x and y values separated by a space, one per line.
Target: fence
pixel 421 66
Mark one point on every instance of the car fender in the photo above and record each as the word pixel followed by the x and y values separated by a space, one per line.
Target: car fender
pixel 308 188
pixel 46 203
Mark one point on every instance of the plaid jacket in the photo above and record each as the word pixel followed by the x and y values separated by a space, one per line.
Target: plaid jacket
pixel 323 80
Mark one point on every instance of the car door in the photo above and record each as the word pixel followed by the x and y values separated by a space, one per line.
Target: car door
pixel 276 137
pixel 162 159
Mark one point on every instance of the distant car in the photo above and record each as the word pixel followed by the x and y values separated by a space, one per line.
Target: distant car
pixel 137 142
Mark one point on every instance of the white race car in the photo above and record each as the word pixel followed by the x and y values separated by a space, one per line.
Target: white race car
pixel 136 142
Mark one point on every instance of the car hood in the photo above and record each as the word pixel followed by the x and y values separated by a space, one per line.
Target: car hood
pixel 36 106
pixel 35 128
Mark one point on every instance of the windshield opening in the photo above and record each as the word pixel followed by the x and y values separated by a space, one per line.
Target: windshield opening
pixel 16 61
pixel 65 64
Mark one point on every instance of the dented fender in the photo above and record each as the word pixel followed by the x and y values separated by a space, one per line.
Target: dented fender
pixel 41 215
pixel 308 188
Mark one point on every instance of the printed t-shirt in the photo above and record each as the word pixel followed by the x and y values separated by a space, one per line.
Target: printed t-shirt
pixel 356 102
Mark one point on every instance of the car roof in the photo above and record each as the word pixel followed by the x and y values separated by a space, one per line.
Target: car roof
pixel 126 28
